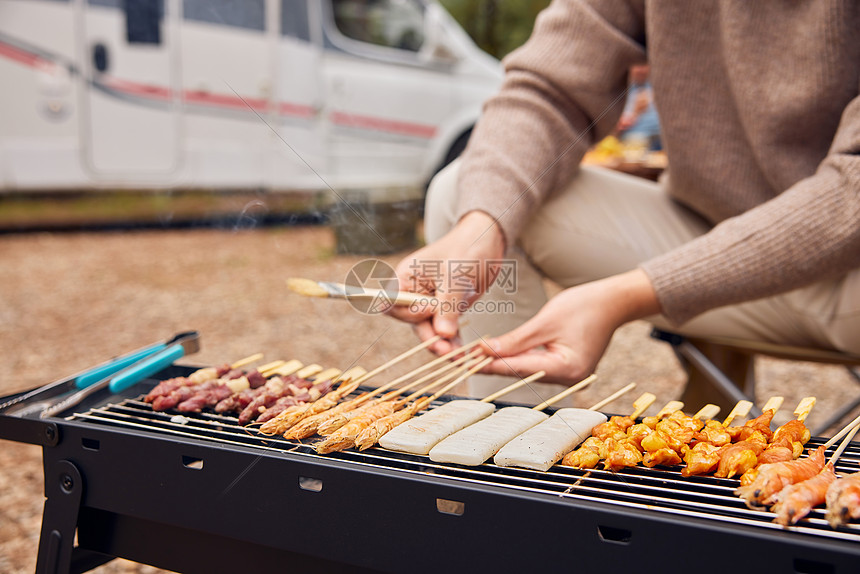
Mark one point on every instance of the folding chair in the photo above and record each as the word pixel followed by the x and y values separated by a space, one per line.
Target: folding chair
pixel 734 379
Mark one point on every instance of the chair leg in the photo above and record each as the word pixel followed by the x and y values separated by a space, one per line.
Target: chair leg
pixel 837 415
pixel 715 374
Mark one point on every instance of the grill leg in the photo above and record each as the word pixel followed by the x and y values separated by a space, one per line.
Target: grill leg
pixel 64 486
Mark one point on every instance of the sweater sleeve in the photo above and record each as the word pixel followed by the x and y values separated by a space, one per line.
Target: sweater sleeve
pixel 808 233
pixel 563 91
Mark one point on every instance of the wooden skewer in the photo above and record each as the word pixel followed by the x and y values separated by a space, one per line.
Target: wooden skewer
pixel 772 404
pixel 247 360
pixel 473 368
pixel 844 444
pixel 397 359
pixel 641 404
pixel 284 370
pixel 707 412
pixel 444 358
pixel 309 371
pixel 741 409
pixel 396 392
pixel 670 408
pixel 513 387
pixel 269 366
pixel 330 374
pixel 803 408
pixel 552 400
pixel 351 373
pixel 842 432
pixel 620 392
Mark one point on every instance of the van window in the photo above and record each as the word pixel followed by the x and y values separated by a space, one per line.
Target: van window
pixel 391 23
pixel 143 21
pixel 250 14
pixel 294 19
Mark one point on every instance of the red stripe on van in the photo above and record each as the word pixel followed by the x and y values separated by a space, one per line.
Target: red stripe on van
pixel 383 125
pixel 21 56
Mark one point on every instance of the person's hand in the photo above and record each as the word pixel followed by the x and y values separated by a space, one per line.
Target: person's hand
pixel 570 333
pixel 451 289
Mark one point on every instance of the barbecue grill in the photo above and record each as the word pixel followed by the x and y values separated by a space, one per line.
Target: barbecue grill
pixel 199 493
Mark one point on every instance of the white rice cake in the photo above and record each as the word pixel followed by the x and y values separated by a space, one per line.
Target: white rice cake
pixel 545 444
pixel 476 443
pixel 419 434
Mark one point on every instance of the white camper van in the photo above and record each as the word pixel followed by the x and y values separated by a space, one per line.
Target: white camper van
pixel 217 94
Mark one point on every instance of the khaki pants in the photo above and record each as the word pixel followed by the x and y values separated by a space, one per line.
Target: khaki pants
pixel 605 223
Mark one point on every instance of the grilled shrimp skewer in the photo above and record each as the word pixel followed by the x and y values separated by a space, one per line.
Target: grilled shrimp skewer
pixel 797 500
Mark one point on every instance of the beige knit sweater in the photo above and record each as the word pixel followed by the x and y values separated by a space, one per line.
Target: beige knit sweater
pixel 760 116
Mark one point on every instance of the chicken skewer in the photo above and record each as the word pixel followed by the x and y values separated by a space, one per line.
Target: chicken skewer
pixel 619 452
pixel 796 500
pixel 372 434
pixel 588 455
pixel 478 442
pixel 345 436
pixel 786 443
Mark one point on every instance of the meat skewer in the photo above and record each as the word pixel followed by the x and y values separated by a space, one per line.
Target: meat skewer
pixel 278 387
pixel 238 401
pixel 208 395
pixel 588 455
pixel 796 500
pixel 345 436
pixel 478 442
pixel 419 435
pixel 337 416
pixel 323 382
pixel 197 377
pixel 177 392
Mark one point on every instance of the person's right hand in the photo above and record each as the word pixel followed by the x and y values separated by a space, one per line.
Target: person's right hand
pixel 454 273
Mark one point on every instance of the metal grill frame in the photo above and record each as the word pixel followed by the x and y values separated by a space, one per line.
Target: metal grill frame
pixel 142 494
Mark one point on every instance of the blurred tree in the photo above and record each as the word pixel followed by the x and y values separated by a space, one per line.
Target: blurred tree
pixel 497 26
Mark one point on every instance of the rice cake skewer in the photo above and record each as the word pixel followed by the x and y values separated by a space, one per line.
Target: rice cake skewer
pixel 545 444
pixel 420 434
pixel 476 443
pixel 379 428
pixel 372 434
pixel 588 455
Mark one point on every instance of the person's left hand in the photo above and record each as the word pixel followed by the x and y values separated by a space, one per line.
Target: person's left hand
pixel 569 335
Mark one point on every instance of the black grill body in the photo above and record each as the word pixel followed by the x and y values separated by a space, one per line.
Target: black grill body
pixel 205 495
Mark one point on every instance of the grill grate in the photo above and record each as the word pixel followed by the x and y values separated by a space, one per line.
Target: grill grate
pixel 662 490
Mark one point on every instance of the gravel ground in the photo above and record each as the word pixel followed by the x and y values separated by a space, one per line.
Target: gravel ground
pixel 73 300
